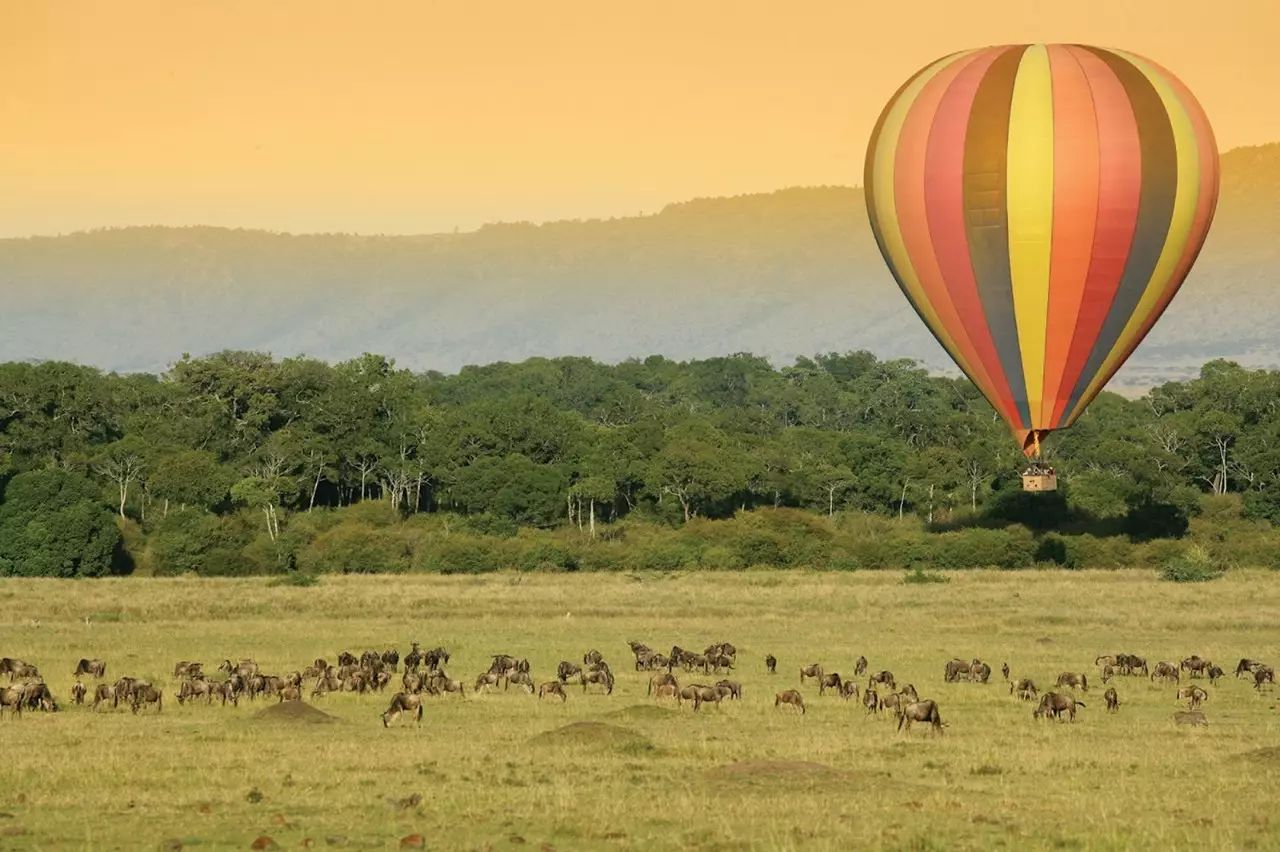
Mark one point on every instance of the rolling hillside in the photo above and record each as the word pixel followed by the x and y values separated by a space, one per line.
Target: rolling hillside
pixel 782 274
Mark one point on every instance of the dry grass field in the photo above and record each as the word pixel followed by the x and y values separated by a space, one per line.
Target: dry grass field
pixel 501 771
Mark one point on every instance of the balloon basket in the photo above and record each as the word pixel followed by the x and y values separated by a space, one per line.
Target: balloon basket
pixel 1038 478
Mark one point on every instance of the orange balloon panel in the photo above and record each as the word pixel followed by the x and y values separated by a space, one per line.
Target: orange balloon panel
pixel 1039 205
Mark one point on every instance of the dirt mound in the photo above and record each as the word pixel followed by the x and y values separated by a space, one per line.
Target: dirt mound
pixel 593 735
pixel 294 712
pixel 643 711
pixel 777 772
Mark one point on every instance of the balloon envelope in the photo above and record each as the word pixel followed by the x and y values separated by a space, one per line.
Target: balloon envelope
pixel 1039 205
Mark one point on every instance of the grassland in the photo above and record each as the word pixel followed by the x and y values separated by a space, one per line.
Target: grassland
pixel 741 776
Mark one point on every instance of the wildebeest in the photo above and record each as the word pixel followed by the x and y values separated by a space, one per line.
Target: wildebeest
pixel 1195 665
pixel 1112 699
pixel 1073 680
pixel 592 656
pixel 104 692
pixel 78 691
pixel 1108 672
pixel 435 658
pixel 391 658
pixel 487 679
pixel 552 687
pixel 189 690
pixel 403 702
pixel 734 688
pixel 1214 673
pixel 1244 668
pixel 920 711
pixel 859 666
pixel 829 681
pixel 892 701
pixel 520 679
pixel 36 696
pixel 871 701
pixel 23 671
pixel 1004 670
pixel 412 660
pixel 13 666
pixel 1102 661
pixel 909 692
pixel 11 697
pixel 1025 689
pixel 814 670
pixel 1263 674
pixel 440 684
pixel 188 668
pixel 661 679
pixel 145 694
pixel 290 693
pixel 979 671
pixel 790 698
pixel 1193 695
pixel 94 668
pixel 602 678
pixel 883 677
pixel 770 663
pixel 697 693
pixel 1055 704
pixel 245 668
pixel 954 669
pixel 1166 671
pixel 849 690
pixel 667 690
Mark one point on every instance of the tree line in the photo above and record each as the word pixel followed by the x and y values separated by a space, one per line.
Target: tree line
pixel 239 447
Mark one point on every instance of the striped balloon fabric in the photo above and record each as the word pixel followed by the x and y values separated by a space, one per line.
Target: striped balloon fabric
pixel 1040 205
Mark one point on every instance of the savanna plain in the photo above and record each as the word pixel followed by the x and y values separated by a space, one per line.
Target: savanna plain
pixel 506 770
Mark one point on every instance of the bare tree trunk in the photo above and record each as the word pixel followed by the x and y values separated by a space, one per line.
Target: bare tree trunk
pixel 315 487
pixel 593 517
pixel 903 500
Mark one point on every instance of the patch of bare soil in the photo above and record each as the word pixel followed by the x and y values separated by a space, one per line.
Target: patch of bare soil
pixel 778 772
pixel 593 735
pixel 644 711
pixel 294 712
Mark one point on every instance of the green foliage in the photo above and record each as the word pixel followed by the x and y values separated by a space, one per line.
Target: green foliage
pixel 53 524
pixel 300 579
pixel 920 577
pixel 1195 565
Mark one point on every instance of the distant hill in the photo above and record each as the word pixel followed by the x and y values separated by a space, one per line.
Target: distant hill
pixel 788 273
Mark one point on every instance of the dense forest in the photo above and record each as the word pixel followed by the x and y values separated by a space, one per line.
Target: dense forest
pixel 239 463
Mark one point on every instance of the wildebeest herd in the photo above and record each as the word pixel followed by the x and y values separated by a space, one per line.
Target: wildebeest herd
pixel 422 674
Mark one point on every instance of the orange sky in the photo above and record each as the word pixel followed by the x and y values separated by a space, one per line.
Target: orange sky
pixel 421 116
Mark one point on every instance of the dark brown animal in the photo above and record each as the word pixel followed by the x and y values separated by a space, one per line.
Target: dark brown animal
pixel 979 671
pixel 290 693
pixel 1193 695
pixel 1166 671
pixel 105 692
pixel 567 670
pixel 860 666
pixel 78 692
pixel 144 695
pixel 829 681
pixel 814 670
pixel 734 689
pixel 521 679
pixel 770 663
pixel 11 698
pixel 93 668
pixel 600 678
pixel 849 690
pixel 1195 666
pixel 954 669
pixel 662 679
pixel 403 702
pixel 1245 668
pixel 1004 670
pixel 920 711
pixel 1055 704
pixel 1214 673
pixel 1112 699
pixel 1025 689
pixel 1263 674
pixel 885 678
pixel 1073 680
pixel 871 701
pixel 790 698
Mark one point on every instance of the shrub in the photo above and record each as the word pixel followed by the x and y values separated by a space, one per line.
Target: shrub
pixel 356 548
pixel 919 576
pixel 302 579
pixel 1195 565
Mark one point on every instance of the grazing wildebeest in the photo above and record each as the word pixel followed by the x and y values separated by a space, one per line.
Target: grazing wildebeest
pixel 78 692
pixel 36 695
pixel 1132 664
pixel 829 681
pixel 520 679
pixel 1214 673
pixel 603 678
pixel 849 690
pixel 104 692
pixel 1004 670
pixel 1055 704
pixel 403 702
pixel 954 668
pixel 552 687
pixel 1263 674
pixel 860 666
pixel 770 663
pixel 94 668
pixel 1073 680
pixel 1245 668
pixel 1108 672
pixel 1193 695
pixel 1195 665
pixel 791 698
pixel 734 688
pixel 662 679
pixel 1025 689
pixel 979 671
pixel 144 694
pixel 123 689
pixel 23 671
pixel 814 671
pixel 1166 671
pixel 920 711
pixel 1112 699
pixel 884 678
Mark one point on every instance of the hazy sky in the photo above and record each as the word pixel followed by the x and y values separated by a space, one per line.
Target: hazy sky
pixel 421 116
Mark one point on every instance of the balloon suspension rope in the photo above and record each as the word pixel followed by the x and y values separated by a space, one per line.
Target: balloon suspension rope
pixel 1035 443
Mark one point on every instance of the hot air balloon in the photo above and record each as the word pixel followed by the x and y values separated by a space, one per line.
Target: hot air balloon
pixel 1040 205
